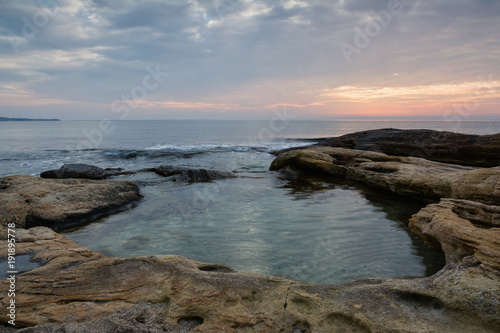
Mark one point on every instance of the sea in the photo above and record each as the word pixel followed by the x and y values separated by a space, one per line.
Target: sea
pixel 317 232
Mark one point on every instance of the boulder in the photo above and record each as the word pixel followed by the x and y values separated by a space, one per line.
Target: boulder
pixel 81 171
pixel 75 171
pixel 58 203
pixel 191 175
pixel 447 147
pixel 79 288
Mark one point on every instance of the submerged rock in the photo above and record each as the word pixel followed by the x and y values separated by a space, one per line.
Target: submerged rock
pixel 80 288
pixel 448 147
pixel 30 201
pixel 191 174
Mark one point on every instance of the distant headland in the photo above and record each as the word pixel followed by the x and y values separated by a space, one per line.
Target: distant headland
pixel 26 119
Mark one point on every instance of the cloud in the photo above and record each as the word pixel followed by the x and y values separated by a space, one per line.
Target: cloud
pixel 243 54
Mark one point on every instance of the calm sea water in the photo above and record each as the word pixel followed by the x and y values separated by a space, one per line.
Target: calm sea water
pixel 327 233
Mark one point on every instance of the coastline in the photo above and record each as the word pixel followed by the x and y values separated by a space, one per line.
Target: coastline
pixel 26 119
pixel 464 294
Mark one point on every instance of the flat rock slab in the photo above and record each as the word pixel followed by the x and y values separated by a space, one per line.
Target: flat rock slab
pixel 441 146
pixel 30 201
pixel 76 286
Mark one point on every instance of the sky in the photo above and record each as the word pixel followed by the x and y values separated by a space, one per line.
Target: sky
pixel 250 59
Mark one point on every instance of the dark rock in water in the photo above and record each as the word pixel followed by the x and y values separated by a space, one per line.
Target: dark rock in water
pixel 57 203
pixel 76 171
pixel 84 171
pixel 447 147
pixel 191 175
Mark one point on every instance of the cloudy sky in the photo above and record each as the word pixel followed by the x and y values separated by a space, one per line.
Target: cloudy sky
pixel 240 59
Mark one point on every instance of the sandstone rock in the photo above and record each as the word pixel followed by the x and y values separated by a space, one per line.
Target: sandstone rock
pixel 191 174
pixel 76 285
pixel 30 201
pixel 464 224
pixel 448 147
pixel 462 228
pixel 409 176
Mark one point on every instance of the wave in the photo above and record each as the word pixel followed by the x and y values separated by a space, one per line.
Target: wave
pixel 189 151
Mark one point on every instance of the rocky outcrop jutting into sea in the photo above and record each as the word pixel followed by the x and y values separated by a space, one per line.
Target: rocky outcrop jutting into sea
pixel 58 203
pixel 84 290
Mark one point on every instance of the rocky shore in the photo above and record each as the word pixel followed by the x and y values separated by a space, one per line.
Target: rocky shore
pixel 79 290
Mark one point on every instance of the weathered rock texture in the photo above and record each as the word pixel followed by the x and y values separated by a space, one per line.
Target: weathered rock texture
pixel 448 147
pixel 462 228
pixel 463 219
pixel 409 176
pixel 78 285
pixel 30 201
pixel 74 285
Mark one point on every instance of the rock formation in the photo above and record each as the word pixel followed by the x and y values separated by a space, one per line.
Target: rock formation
pixel 409 176
pixel 448 147
pixel 463 218
pixel 30 201
pixel 190 175
pixel 174 173
pixel 81 290
pixel 79 171
pixel 76 285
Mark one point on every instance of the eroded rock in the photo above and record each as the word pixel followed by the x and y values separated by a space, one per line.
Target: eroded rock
pixel 409 176
pixel 464 224
pixel 463 228
pixel 76 285
pixel 30 201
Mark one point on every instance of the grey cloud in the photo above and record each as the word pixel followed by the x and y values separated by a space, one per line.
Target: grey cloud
pixel 428 41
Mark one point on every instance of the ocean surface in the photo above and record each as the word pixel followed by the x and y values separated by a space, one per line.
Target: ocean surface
pixel 258 222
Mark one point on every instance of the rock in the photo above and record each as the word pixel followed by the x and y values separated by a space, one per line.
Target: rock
pixel 82 289
pixel 462 228
pixel 81 171
pixel 139 318
pixel 76 171
pixel 409 176
pixel 30 201
pixel 465 223
pixel 183 174
pixel 447 147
